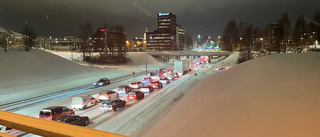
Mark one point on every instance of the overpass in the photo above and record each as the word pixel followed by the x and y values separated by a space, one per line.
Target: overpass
pixel 190 53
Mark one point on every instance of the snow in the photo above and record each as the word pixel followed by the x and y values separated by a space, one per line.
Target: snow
pixel 275 95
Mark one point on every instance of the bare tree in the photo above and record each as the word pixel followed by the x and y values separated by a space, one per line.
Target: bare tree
pixel 230 36
pixel 29 36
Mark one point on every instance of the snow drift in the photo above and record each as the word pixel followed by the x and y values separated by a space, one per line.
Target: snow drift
pixel 271 96
pixel 21 67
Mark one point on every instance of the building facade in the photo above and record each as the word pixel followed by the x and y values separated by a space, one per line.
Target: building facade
pixel 167 36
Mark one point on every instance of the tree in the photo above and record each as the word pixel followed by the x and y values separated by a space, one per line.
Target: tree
pixel 314 26
pixel 29 36
pixel 230 36
pixel 5 39
pixel 85 33
pixel 284 33
pixel 246 41
pixel 188 41
pixel 268 36
pixel 299 29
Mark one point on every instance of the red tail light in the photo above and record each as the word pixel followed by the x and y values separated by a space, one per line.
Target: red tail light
pixel 156 84
pixel 127 95
pixel 82 103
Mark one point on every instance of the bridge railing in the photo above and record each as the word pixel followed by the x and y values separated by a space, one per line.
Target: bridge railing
pixel 49 128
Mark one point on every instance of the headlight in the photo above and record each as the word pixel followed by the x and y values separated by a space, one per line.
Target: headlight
pixel 94 83
pixel 100 84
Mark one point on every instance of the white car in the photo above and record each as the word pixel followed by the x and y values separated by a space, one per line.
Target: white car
pixel 107 95
pixel 164 80
pixel 123 89
pixel 147 89
pixel 136 84
pixel 83 101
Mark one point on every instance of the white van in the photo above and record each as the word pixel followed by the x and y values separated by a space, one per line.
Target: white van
pixel 83 101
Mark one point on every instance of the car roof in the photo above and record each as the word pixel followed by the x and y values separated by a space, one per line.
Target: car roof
pixel 104 92
pixel 104 79
pixel 135 90
pixel 53 107
pixel 112 99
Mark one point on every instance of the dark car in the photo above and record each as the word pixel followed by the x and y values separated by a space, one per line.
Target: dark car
pixel 135 94
pixel 112 104
pixel 74 120
pixel 102 82
pixel 156 84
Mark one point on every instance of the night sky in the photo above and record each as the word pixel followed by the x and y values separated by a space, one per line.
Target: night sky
pixel 204 17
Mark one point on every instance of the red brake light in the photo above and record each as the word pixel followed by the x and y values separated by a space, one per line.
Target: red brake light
pixel 156 84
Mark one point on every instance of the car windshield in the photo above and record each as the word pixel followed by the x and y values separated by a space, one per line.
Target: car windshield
pixel 107 102
pixel 131 93
pixel 45 112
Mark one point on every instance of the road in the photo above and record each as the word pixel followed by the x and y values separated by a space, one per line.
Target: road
pixel 130 121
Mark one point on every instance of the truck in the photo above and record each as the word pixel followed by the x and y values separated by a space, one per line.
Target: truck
pixel 182 66
pixel 156 73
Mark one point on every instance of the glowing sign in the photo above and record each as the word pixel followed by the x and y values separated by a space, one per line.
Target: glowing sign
pixel 163 14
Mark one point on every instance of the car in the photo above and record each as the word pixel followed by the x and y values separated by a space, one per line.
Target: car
pixel 8 130
pixel 170 75
pixel 55 112
pixel 102 82
pixel 74 120
pixel 146 80
pixel 107 95
pixel 83 101
pixel 147 89
pixel 164 80
pixel 222 69
pixel 123 89
pixel 136 84
pixel 135 94
pixel 176 75
pixel 156 84
pixel 112 104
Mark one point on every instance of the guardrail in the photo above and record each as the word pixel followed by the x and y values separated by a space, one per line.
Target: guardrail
pixel 49 128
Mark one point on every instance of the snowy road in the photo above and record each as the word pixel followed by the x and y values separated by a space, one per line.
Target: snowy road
pixel 124 121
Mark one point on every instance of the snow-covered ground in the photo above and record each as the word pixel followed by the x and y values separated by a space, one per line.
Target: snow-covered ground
pixel 47 73
pixel 276 95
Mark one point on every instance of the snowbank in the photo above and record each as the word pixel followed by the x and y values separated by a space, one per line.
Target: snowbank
pixel 21 67
pixel 276 95
pixel 139 58
pixel 230 60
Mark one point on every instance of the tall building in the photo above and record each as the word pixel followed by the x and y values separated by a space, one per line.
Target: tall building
pixel 180 42
pixel 167 36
